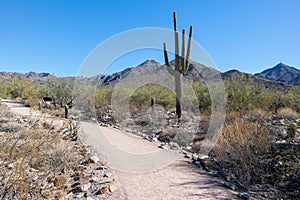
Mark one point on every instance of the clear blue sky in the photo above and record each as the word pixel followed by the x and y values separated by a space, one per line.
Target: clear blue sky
pixel 55 36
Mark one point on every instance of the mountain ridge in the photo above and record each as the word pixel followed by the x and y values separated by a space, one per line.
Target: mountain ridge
pixel 280 77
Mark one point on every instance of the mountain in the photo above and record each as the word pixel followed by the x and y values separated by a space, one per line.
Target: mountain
pixel 196 72
pixel 256 80
pixel 142 69
pixel 282 73
pixel 35 77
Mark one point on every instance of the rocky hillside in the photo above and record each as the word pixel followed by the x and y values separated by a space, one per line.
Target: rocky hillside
pixel 282 73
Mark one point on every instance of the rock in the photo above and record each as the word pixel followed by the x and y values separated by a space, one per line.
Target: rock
pixel 103 163
pixel 104 190
pixel 243 195
pixel 174 146
pixel 33 170
pixel 50 185
pixel 58 195
pixel 203 157
pixel 65 130
pixel 188 156
pixel 282 122
pixel 79 196
pixel 112 188
pixel 116 127
pixel 195 156
pixel 69 196
pixel 10 127
pixel 84 186
pixel 95 179
pixel 165 146
pixel 102 167
pixel 107 174
pixel 154 139
pixel 4 120
pixel 94 159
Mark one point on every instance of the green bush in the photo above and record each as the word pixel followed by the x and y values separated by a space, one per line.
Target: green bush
pixel 142 96
pixel 3 89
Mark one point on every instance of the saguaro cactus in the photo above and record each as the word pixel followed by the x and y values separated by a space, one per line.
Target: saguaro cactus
pixel 181 63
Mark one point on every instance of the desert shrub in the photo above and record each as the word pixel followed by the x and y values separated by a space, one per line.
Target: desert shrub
pixel 203 96
pixel 4 112
pixel 247 155
pixel 103 97
pixel 295 93
pixel 241 149
pixel 3 89
pixel 35 161
pixel 22 88
pixel 243 96
pixel 59 89
pixel 142 97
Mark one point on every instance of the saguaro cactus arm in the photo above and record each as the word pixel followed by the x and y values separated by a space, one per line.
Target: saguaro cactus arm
pixel 182 58
pixel 170 70
pixel 187 58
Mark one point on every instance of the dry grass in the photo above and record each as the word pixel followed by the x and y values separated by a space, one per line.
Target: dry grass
pixel 259 114
pixel 287 113
pixel 240 150
pixel 247 156
pixel 35 161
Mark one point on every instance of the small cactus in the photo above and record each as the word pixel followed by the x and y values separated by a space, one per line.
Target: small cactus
pixel 181 63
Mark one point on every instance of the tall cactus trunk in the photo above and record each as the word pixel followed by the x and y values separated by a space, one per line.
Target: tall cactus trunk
pixel 178 91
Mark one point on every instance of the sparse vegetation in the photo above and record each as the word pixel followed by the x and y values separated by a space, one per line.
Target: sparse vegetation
pixel 248 156
pixel 34 158
pixel 43 160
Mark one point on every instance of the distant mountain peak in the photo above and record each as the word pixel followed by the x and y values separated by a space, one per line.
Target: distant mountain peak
pixel 149 63
pixel 282 73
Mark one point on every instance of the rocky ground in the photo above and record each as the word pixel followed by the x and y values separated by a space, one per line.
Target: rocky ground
pixel 45 159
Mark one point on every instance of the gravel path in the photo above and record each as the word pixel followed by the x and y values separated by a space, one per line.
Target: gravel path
pixel 128 155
